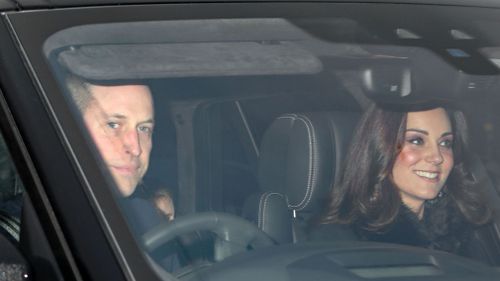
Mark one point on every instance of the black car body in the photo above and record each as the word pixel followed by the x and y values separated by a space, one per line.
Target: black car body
pixel 221 72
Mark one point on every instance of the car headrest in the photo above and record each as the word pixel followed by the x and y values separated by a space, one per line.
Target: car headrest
pixel 301 154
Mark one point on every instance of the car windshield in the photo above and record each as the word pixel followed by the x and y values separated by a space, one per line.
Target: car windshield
pixel 224 138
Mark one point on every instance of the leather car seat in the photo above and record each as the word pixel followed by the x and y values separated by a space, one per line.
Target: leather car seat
pixel 300 155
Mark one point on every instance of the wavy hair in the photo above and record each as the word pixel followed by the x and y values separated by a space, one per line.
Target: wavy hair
pixel 365 194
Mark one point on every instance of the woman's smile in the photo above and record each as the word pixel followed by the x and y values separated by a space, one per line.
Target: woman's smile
pixel 426 157
pixel 431 176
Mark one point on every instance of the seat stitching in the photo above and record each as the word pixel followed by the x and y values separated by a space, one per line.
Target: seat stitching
pixel 292 117
pixel 311 182
pixel 312 171
pixel 288 116
pixel 263 210
pixel 311 179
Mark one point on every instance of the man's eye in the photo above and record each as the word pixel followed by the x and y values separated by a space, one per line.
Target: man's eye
pixel 145 129
pixel 113 125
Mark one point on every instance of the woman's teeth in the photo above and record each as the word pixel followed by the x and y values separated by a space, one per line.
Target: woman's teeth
pixel 428 175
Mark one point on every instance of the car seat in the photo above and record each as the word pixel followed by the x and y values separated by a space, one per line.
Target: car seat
pixel 300 155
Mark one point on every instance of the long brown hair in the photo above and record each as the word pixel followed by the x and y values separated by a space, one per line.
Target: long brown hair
pixel 364 192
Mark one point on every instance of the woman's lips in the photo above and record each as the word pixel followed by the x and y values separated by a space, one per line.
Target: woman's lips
pixel 431 176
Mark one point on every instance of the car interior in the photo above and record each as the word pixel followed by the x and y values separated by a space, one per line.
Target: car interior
pixel 263 138
pixel 277 174
pixel 253 120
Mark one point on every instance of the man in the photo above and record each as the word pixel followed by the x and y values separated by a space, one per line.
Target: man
pixel 120 120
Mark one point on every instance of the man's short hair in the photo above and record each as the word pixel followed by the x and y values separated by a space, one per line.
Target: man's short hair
pixel 80 92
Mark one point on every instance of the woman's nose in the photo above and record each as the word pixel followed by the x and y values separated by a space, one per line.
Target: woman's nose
pixel 434 155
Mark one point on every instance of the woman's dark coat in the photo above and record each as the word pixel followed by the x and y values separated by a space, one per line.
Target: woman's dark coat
pixel 442 228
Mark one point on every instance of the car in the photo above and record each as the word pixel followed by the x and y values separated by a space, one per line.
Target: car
pixel 256 104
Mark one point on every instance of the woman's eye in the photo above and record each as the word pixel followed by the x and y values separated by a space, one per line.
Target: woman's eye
pixel 416 141
pixel 446 143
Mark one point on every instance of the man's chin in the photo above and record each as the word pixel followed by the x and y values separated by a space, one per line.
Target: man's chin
pixel 126 187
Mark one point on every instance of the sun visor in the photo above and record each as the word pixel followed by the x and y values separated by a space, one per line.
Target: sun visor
pixel 183 48
pixel 200 59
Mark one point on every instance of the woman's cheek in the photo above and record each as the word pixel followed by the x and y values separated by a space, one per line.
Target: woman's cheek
pixel 408 156
pixel 448 159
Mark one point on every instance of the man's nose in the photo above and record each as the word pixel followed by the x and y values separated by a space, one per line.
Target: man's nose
pixel 434 155
pixel 132 143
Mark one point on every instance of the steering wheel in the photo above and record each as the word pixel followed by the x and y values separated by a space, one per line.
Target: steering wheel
pixel 234 233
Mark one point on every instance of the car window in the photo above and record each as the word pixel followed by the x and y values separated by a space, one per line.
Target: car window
pixel 11 193
pixel 199 134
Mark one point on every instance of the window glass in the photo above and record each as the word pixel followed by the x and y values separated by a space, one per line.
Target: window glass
pixel 223 116
pixel 11 193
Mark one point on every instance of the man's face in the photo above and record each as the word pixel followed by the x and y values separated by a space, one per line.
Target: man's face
pixel 120 121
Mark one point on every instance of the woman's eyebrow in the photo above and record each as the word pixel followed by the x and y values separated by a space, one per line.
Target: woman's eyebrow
pixel 427 133
pixel 418 131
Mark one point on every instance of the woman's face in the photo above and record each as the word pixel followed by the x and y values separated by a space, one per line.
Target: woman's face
pixel 426 158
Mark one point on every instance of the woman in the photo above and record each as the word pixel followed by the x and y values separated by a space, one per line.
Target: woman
pixel 406 182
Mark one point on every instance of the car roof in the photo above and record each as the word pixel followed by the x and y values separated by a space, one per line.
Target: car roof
pixel 41 4
pixel 7 5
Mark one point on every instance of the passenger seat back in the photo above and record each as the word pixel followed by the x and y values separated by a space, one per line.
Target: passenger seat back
pixel 300 155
